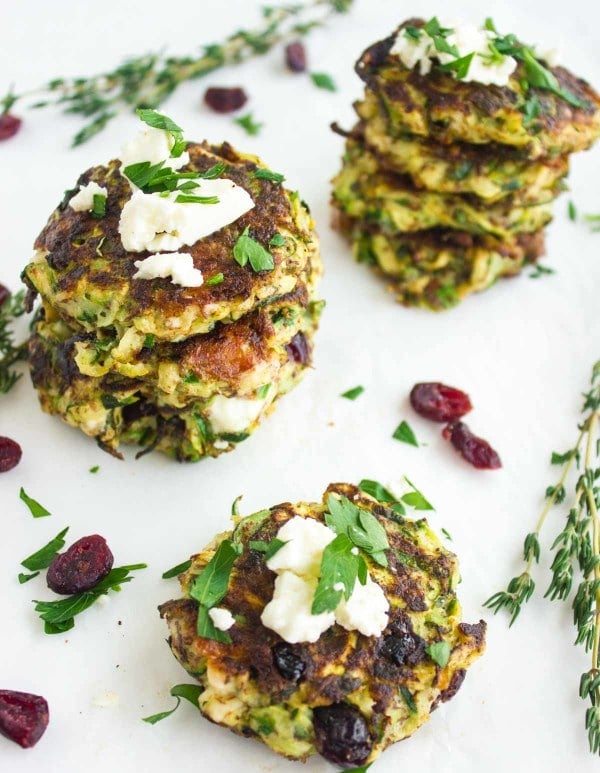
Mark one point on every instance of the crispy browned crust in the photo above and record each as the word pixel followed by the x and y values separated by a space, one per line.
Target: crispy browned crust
pixel 363 658
pixel 441 91
pixel 72 240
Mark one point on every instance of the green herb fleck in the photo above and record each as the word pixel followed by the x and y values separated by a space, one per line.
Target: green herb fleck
pixel 263 391
pixel 439 652
pixel 248 124
pixel 268 548
pixel 446 534
pixel 404 434
pixel 339 565
pixel 461 171
pixel 177 570
pixel 267 174
pixel 216 279
pixel 246 249
pixel 353 393
pixel 408 699
pixel 94 469
pixel 540 270
pixel 277 240
pixel 43 557
pixel 572 211
pixel 210 587
pixel 99 205
pixel 323 81
pixel 415 498
pixel 460 67
pixel 381 494
pixel 359 525
pixel 190 692
pixel 37 510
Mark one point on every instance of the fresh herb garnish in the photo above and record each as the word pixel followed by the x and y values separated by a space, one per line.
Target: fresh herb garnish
pixel 23 578
pixel 98 205
pixel 323 81
pixel 576 551
pixel 572 212
pixel 12 308
pixel 446 534
pixel 177 570
pixel 268 548
pixel 408 699
pixel 263 391
pixel 439 652
pixel 216 279
pixel 405 434
pixel 189 199
pixel 267 174
pixel 37 510
pixel 58 616
pixel 353 393
pixel 210 587
pixel 248 124
pixel 277 240
pixel 359 525
pixel 150 79
pixel 540 270
pixel 94 469
pixel 43 557
pixel 189 692
pixel 460 67
pixel 341 564
pixel 246 249
pixel 414 498
pixel 163 122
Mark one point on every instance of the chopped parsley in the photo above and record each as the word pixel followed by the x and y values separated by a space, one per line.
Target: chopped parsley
pixel 189 692
pixel 405 434
pixel 99 205
pixel 439 652
pixel 37 510
pixel 572 212
pixel 408 699
pixel 210 587
pixel 540 270
pixel 160 121
pixel 268 548
pixel 267 174
pixel 323 81
pixel 353 393
pixel 43 557
pixel 216 279
pixel 248 124
pixel 277 240
pixel 248 250
pixel 94 469
pixel 177 570
pixel 263 391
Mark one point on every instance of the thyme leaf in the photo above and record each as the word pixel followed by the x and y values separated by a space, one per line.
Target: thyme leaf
pixel 10 353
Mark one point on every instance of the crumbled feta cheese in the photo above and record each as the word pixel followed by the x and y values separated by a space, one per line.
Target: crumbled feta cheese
pixel 178 265
pixel 305 539
pixel 158 223
pixel 468 39
pixel 83 201
pixel 221 617
pixel 233 414
pixel 153 145
pixel 221 445
pixel 289 611
pixel 366 610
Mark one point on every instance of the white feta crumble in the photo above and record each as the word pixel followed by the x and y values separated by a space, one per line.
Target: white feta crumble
pixel 289 611
pixel 178 265
pixel 366 610
pixel 220 445
pixel 83 200
pixel 305 539
pixel 468 39
pixel 221 617
pixel 158 223
pixel 233 414
pixel 153 145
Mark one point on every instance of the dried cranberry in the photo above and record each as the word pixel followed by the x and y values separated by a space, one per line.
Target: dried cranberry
pixel 23 717
pixel 81 567
pixel 289 664
pixel 4 294
pixel 475 450
pixel 341 734
pixel 225 100
pixel 298 349
pixel 9 126
pixel 295 56
pixel 439 402
pixel 10 454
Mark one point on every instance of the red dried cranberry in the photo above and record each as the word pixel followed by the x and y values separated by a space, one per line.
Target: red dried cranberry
pixel 4 294
pixel 9 126
pixel 10 454
pixel 295 56
pixel 81 567
pixel 225 100
pixel 23 717
pixel 342 734
pixel 439 402
pixel 475 450
pixel 298 349
pixel 289 664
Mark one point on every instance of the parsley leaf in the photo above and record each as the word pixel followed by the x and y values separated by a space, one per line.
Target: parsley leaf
pixel 58 616
pixel 210 587
pixel 439 652
pixel 263 391
pixel 248 124
pixel 43 557
pixel 190 692
pixel 159 121
pixel 207 629
pixel 460 66
pixel 339 566
pixel 177 570
pixel 408 699
pixel 98 205
pixel 267 174
pixel 215 280
pixel 540 270
pixel 94 469
pixel 415 498
pixel 353 393
pixel 248 249
pixel 404 434
pixel 362 528
pixel 23 578
pixel 323 81
pixel 268 548
pixel 572 212
pixel 37 510
pixel 381 494
pixel 277 240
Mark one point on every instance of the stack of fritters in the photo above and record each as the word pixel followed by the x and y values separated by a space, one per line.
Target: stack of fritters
pixel 189 371
pixel 446 185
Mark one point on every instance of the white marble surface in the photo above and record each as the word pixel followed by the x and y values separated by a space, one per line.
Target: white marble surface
pixel 523 351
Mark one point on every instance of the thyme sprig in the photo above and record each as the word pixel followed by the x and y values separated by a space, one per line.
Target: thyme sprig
pixel 576 552
pixel 146 81
pixel 10 353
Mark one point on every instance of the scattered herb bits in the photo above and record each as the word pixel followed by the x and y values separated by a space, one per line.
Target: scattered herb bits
pixel 43 557
pixel 35 508
pixel 249 125
pixel 405 434
pixel 177 570
pixel 23 717
pixel 323 81
pixel 352 394
pixel 248 250
pixel 189 692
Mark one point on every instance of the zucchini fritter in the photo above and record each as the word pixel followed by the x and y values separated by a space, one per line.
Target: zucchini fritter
pixel 346 696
